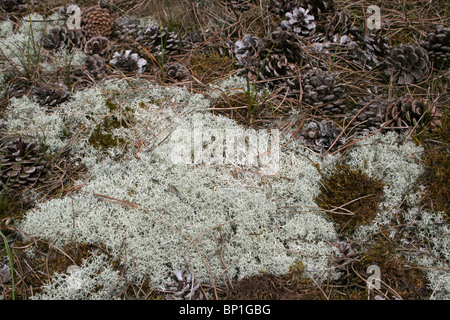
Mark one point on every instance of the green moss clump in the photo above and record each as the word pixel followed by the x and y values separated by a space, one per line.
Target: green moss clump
pixel 436 161
pixel 103 136
pixel 104 140
pixel 350 197
pixel 397 274
pixel 400 279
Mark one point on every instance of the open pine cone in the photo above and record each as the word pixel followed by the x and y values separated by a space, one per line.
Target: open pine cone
pixel 407 64
pixel 279 75
pixel 55 39
pixel 94 69
pixel 186 286
pixel 21 164
pixel 51 95
pixel 321 136
pixel 284 42
pixel 176 72
pixel 159 41
pixel 341 28
pixel 96 21
pixel 409 112
pixel 76 39
pixel 317 7
pixel 97 45
pixel 321 90
pixel 58 38
pixel 18 87
pixel 126 29
pixel 375 49
pixel 128 62
pixel 368 115
pixel 299 21
pixel 438 47
pixel 247 50
pixel 281 7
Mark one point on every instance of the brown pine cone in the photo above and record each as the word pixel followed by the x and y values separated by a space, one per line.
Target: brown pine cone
pixel 408 64
pixel 176 72
pixel 438 47
pixel 21 164
pixel 322 91
pixel 96 45
pixel 322 136
pixel 96 21
pixel 51 95
pixel 409 112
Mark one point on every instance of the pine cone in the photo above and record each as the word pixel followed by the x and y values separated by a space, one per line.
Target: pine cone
pixel 18 87
pixel 367 54
pixel 284 42
pixel 58 38
pixel 279 73
pixel 186 286
pixel 281 7
pixel 76 39
pixel 97 45
pixel 94 70
pixel 159 40
pixel 347 254
pixel 126 29
pixel 128 62
pixel 247 50
pixel 16 6
pixel 21 164
pixel 51 95
pixel 368 116
pixel 408 112
pixel 176 72
pixel 408 64
pixel 341 28
pixel 375 48
pixel 320 136
pixel 96 21
pixel 438 47
pixel 299 21
pixel 95 67
pixel 318 7
pixel 321 90
pixel 55 39
pixel 152 36
pixel 376 45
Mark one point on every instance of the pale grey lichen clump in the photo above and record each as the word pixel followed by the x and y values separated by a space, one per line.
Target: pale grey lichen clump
pixel 157 216
pixel 198 216
pixel 96 280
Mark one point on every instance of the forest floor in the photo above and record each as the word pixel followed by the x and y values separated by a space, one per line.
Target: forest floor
pixel 266 103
